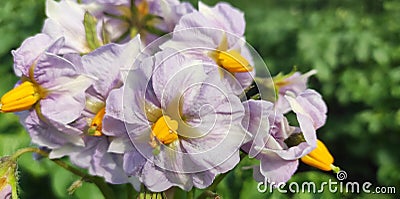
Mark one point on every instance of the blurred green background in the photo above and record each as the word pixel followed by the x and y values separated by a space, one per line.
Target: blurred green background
pixel 354 45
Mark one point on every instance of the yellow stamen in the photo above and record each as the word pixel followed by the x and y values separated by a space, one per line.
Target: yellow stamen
pixel 3 182
pixel 143 8
pixel 281 83
pixel 164 130
pixel 97 123
pixel 320 158
pixel 230 60
pixel 233 61
pixel 21 98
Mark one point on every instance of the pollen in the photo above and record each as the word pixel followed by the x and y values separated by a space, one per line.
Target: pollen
pixel 96 125
pixel 164 130
pixel 320 158
pixel 20 98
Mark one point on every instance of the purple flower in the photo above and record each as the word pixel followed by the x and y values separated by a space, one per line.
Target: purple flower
pixel 104 63
pixel 215 35
pixel 50 94
pixel 50 84
pixel 31 49
pixel 278 162
pixel 308 106
pixel 294 83
pixel 278 159
pixel 149 18
pixel 179 121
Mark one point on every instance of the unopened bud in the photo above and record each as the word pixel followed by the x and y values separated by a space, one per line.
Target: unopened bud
pixel 8 178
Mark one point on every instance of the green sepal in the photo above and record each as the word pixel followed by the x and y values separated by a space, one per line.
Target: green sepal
pixel 92 130
pixel 148 22
pixel 294 139
pixel 90 22
pixel 104 34
pixel 155 31
pixel 279 77
pixel 134 10
pixel 119 17
pixel 156 150
pixel 147 194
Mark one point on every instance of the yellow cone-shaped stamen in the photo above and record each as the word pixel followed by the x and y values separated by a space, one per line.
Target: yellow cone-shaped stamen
pixel 97 123
pixel 232 61
pixel 319 158
pixel 21 98
pixel 143 8
pixel 165 130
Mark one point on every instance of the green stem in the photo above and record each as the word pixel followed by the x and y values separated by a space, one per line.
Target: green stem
pixel 207 194
pixel 20 152
pixel 130 194
pixel 190 194
pixel 107 192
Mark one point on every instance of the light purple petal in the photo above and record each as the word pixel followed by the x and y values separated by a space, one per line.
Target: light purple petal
pixel 295 84
pixel 115 57
pixel 174 74
pixel 225 16
pixel 309 116
pixel 213 151
pixel 106 164
pixel 65 88
pixel 62 108
pixel 314 105
pixel 277 170
pixel 31 49
pixel 47 135
pixel 120 144
pixel 5 192
pixel 65 19
pixel 104 63
pixel 222 16
pixel 256 121
pixel 154 178
pixel 94 157
pixel 133 162
pixel 171 11
pixel 204 179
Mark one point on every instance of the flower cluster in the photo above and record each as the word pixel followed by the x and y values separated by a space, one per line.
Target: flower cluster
pixel 160 93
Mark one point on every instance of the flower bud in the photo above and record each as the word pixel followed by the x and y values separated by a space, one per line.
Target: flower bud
pixel 8 178
pixel 320 158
